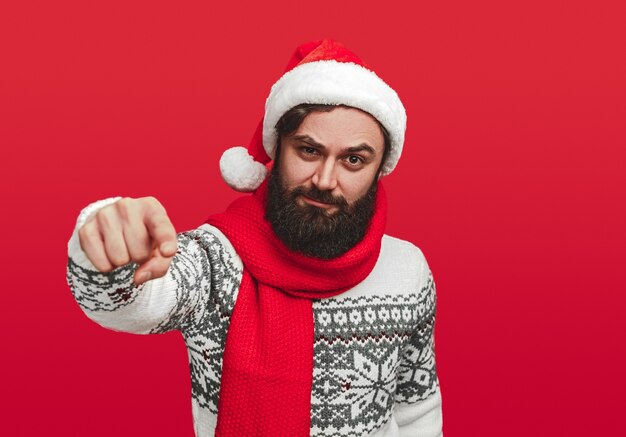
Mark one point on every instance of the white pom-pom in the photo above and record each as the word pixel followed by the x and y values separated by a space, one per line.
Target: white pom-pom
pixel 240 171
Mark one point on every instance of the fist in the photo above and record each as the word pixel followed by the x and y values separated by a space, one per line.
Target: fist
pixel 137 230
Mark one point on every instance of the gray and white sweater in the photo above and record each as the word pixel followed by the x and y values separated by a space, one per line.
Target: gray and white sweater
pixel 374 359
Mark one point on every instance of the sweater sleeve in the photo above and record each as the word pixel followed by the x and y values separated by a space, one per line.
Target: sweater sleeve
pixel 171 302
pixel 418 398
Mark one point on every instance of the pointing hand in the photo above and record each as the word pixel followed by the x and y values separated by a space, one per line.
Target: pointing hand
pixel 136 230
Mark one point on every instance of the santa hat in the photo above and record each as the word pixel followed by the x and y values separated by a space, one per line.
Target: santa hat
pixel 319 72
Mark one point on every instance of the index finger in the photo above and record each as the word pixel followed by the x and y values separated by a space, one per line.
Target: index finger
pixel 162 231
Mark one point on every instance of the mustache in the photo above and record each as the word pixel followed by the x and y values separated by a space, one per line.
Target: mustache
pixel 319 196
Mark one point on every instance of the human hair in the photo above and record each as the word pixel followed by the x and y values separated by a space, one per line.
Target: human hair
pixel 292 119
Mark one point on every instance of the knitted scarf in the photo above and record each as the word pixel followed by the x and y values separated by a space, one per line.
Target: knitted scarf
pixel 267 371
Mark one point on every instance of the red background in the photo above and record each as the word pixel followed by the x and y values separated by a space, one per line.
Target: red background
pixel 512 183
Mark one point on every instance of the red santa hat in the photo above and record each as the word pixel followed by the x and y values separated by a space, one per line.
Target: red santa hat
pixel 319 72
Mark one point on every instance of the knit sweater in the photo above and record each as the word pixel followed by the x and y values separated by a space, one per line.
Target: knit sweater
pixel 374 362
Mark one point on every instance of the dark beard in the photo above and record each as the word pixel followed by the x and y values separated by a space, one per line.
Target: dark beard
pixel 311 230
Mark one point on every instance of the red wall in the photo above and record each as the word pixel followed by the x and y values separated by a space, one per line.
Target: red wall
pixel 512 183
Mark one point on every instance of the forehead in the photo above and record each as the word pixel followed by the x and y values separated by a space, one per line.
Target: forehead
pixel 342 127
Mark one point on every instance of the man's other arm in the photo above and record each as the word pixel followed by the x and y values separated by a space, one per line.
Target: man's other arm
pixel 417 406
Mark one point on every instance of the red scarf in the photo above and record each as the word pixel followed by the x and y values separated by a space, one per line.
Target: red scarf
pixel 267 373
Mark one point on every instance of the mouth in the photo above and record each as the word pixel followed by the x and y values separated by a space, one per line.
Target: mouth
pixel 326 206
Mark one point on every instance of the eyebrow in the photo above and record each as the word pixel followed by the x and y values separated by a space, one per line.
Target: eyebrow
pixel 363 147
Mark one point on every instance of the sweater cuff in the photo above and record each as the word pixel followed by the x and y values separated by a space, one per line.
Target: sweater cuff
pixel 75 251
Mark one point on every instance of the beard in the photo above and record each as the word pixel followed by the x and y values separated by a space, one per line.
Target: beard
pixel 314 231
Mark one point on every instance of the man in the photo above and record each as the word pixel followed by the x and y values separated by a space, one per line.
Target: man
pixel 300 316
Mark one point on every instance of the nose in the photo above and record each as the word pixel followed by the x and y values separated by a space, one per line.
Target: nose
pixel 325 177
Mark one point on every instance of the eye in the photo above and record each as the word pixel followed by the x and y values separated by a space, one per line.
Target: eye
pixel 308 151
pixel 354 160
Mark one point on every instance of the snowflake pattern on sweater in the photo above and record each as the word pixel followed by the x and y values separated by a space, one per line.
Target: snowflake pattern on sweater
pixel 365 359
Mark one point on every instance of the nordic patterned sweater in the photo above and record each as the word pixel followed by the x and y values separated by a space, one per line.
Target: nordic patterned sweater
pixel 374 361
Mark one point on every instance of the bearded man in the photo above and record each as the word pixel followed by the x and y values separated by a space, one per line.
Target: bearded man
pixel 301 317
